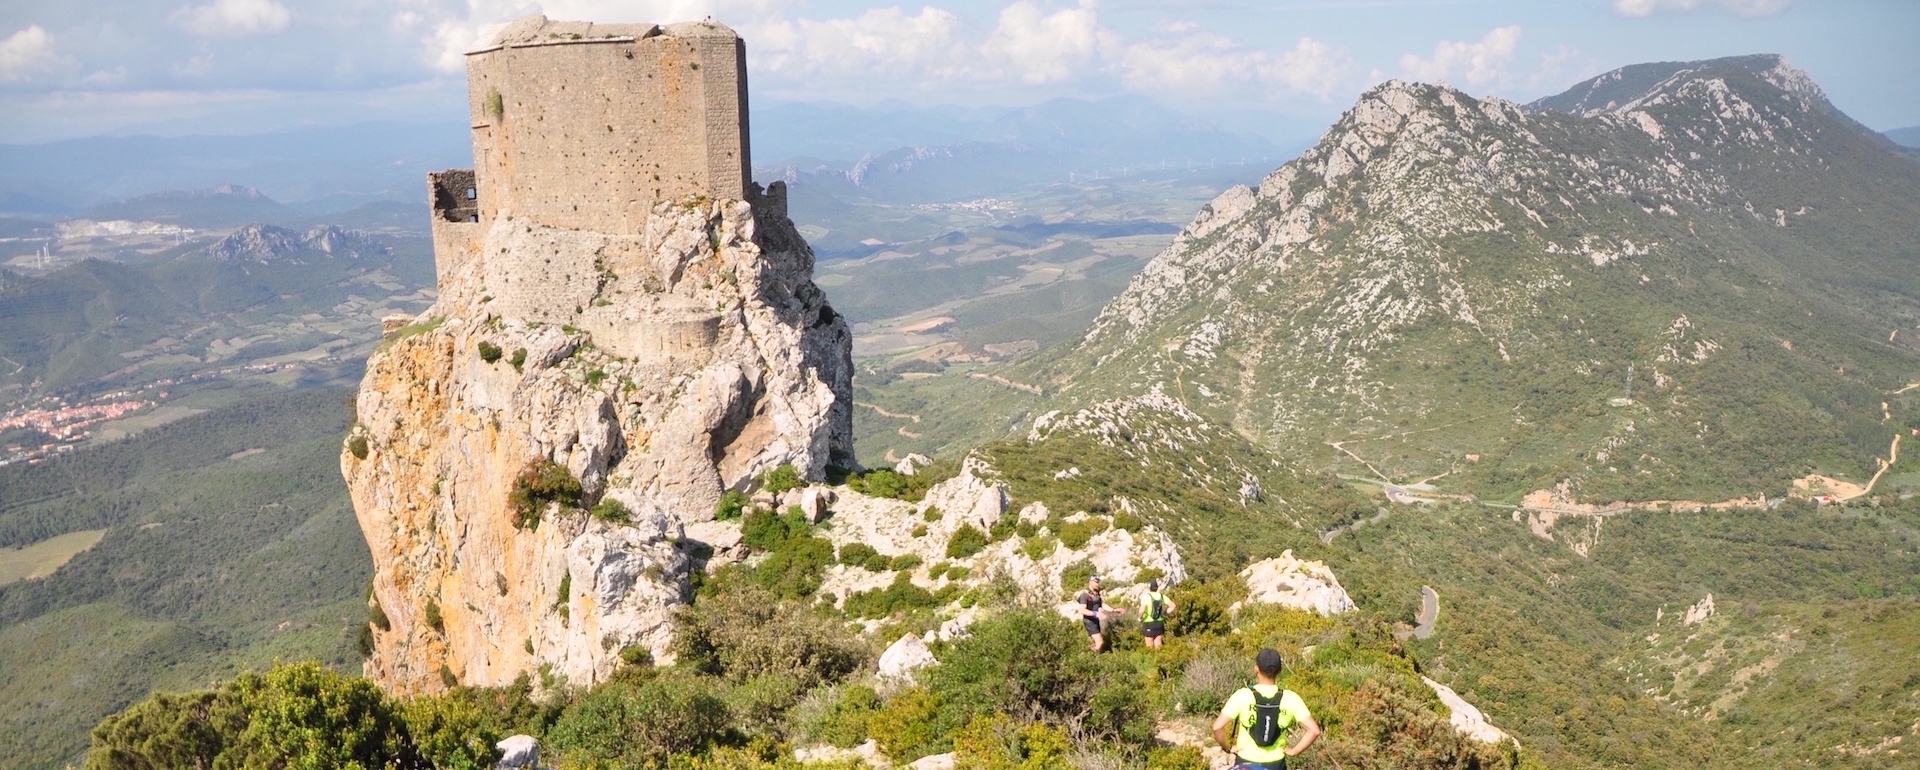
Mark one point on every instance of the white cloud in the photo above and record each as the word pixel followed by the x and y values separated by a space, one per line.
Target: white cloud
pixel 26 55
pixel 233 18
pixel 1747 8
pixel 1203 63
pixel 1049 48
pixel 1479 63
pixel 883 42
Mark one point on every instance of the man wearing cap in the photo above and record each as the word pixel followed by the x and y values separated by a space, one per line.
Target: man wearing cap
pixel 1093 613
pixel 1258 720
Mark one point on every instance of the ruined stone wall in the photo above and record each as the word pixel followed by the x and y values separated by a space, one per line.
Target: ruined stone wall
pixel 585 127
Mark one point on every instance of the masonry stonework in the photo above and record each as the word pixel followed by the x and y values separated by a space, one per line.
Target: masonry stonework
pixel 585 126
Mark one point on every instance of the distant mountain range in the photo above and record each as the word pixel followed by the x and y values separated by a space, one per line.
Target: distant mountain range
pixel 886 150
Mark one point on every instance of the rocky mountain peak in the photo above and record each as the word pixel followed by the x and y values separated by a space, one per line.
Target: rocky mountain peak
pixel 1430 231
pixel 270 243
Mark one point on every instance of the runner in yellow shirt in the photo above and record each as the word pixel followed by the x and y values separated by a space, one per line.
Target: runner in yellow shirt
pixel 1256 722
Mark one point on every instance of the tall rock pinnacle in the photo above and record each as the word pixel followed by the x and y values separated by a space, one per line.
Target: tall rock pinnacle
pixel 626 324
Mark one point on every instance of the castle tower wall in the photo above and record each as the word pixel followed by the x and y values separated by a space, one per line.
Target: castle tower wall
pixel 585 126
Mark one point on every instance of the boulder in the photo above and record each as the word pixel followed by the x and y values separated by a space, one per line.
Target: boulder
pixel 519 751
pixel 1467 719
pixel 934 762
pixel 1291 582
pixel 968 497
pixel 816 502
pixel 904 657
pixel 912 464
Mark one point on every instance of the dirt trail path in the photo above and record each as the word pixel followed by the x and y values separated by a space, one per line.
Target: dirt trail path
pixel 1429 612
pixel 1893 456
pixel 884 413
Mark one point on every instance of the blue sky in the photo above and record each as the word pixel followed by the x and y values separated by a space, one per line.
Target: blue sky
pixel 73 68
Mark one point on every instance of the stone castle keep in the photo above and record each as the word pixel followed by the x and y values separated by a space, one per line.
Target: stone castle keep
pixel 620 305
pixel 585 126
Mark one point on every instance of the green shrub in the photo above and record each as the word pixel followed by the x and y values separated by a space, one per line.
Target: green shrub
pixel 756 707
pixel 879 562
pixel 358 446
pixel 378 617
pixel 846 724
pixel 957 572
pixel 931 514
pixel 294 716
pixel 855 554
pixel 1035 662
pixel 1039 547
pixel 995 742
pixel 1175 758
pixel 489 352
pixel 541 482
pixel 433 616
pixel 731 506
pixel 453 732
pixel 901 596
pixel 363 640
pixel 781 479
pixel 519 359
pixel 595 377
pixel 1203 607
pixel 920 530
pixel 904 562
pixel 966 541
pixel 794 569
pixel 636 655
pixel 905 728
pixel 749 633
pixel 611 511
pixel 1075 576
pixel 1026 529
pixel 1075 534
pixel 627 724
pixel 766 530
pixel 1006 527
pixel 1206 682
pixel 1127 521
pixel 562 599
pixel 447 678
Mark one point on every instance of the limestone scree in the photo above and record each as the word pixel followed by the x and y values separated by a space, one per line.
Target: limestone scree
pixel 626 324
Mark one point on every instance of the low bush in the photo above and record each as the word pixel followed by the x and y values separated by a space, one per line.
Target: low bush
pixel 904 562
pixel 906 726
pixel 748 633
pixel 732 504
pixel 966 541
pixel 1075 576
pixel 541 482
pixel 627 724
pixel 519 359
pixel 856 554
pixel 1039 547
pixel 878 562
pixel 1075 534
pixel 901 596
pixel 1127 521
pixel 489 352
pixel 433 616
pixel 995 742
pixel 1203 607
pixel 358 446
pixel 781 479
pixel 766 530
pixel 883 483
pixel 1035 666
pixel 611 511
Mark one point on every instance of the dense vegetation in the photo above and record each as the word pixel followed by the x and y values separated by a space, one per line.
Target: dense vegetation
pixel 212 564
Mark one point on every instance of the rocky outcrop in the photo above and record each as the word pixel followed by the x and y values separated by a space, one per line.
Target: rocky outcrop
pixel 1291 582
pixel 905 657
pixel 1464 717
pixel 646 375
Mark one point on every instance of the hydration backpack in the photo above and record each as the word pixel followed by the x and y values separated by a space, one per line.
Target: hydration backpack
pixel 1266 729
pixel 1155 609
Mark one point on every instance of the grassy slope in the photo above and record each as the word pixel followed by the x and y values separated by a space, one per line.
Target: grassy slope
pixel 253 559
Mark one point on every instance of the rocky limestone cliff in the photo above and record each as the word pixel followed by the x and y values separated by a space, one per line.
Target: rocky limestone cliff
pixel 657 370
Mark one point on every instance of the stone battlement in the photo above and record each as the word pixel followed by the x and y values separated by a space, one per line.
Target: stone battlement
pixel 586 126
